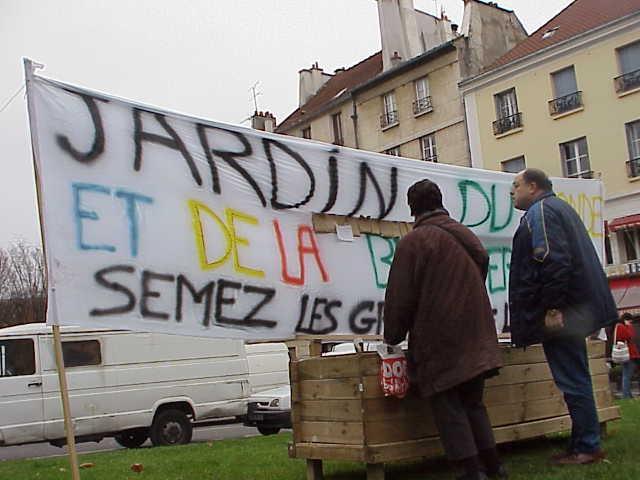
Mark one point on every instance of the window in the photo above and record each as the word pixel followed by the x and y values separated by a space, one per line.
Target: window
pixel 336 123
pixel 306 132
pixel 508 117
pixel 629 61
pixel 390 116
pixel 17 357
pixel 567 96
pixel 575 159
pixel 422 103
pixel 81 353
pixel 428 148
pixel 514 165
pixel 633 142
pixel 395 151
pixel 630 239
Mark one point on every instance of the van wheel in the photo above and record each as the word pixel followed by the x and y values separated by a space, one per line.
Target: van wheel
pixel 133 438
pixel 171 427
pixel 268 430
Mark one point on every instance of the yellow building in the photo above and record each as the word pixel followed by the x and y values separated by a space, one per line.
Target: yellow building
pixel 567 100
pixel 404 100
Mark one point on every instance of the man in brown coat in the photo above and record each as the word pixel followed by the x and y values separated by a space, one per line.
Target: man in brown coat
pixel 436 293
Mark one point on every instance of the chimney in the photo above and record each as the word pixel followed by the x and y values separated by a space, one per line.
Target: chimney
pixel 264 121
pixel 398 31
pixel 489 33
pixel 311 80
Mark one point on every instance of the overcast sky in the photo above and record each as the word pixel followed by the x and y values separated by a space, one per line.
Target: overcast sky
pixel 199 57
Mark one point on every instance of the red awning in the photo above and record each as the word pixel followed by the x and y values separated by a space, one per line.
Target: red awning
pixel 621 223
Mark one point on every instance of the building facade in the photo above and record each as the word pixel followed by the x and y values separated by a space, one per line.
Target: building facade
pixel 404 100
pixel 567 100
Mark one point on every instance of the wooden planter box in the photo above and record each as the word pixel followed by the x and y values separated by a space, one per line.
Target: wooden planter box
pixel 339 412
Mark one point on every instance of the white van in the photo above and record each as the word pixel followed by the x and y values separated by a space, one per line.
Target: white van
pixel 128 385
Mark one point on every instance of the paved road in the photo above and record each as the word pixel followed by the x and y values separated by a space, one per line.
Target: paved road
pixel 200 434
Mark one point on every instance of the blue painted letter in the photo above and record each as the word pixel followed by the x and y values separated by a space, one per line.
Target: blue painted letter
pixel 81 214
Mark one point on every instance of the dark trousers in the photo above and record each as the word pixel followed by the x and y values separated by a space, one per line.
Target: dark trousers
pixel 569 364
pixel 462 420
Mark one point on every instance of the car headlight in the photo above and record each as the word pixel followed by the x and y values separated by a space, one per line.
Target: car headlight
pixel 275 402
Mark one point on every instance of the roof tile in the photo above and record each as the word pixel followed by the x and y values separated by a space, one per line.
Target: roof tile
pixel 578 17
pixel 337 85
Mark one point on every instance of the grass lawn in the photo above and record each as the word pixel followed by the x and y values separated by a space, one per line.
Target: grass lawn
pixel 263 458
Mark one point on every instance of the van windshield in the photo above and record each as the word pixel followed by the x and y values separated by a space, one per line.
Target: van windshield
pixel 17 357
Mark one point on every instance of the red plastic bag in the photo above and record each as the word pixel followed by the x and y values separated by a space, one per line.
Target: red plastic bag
pixel 394 376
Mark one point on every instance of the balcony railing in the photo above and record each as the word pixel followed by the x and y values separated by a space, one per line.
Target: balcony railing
pixel 505 124
pixel 388 119
pixel 583 174
pixel 633 167
pixel 422 105
pixel 565 104
pixel 627 82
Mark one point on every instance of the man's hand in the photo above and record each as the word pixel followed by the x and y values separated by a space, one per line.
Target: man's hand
pixel 553 320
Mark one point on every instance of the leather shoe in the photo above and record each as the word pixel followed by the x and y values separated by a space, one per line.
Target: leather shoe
pixel 578 458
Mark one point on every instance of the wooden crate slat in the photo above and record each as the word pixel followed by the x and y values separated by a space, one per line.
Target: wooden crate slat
pixel 430 446
pixel 405 428
pixel 521 392
pixel 330 410
pixel 354 453
pixel 537 372
pixel 338 389
pixel 332 432
pixel 339 366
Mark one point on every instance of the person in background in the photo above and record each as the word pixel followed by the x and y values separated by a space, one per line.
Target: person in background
pixel 559 295
pixel 436 293
pixel 624 331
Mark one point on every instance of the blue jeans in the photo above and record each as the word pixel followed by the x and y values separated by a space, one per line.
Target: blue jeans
pixel 567 358
pixel 627 373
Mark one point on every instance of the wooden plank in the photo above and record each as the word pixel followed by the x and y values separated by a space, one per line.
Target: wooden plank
pixel 348 388
pixel 339 366
pixel 430 446
pixel 535 353
pixel 538 428
pixel 537 372
pixel 330 410
pixel 411 449
pixel 335 389
pixel 351 433
pixel 400 429
pixel 522 392
pixel 329 451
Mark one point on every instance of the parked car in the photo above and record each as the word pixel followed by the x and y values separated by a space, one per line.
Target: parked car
pixel 127 385
pixel 270 410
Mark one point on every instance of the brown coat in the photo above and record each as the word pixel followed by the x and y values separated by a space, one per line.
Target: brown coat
pixel 436 293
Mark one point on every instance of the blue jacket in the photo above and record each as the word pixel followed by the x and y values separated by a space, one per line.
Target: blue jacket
pixel 554 265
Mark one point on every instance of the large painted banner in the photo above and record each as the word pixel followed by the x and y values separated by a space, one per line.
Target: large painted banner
pixel 163 222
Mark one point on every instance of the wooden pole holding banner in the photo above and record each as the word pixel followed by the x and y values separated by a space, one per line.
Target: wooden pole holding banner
pixel 29 67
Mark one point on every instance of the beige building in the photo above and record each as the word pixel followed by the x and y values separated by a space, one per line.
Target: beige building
pixel 567 100
pixel 404 100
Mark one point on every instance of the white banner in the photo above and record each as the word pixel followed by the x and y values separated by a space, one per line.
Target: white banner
pixel 162 222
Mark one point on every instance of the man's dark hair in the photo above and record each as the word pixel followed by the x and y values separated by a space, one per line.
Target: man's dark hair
pixel 626 316
pixel 537 176
pixel 424 196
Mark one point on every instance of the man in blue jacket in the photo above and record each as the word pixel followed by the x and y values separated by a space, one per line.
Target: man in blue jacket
pixel 558 295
